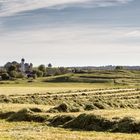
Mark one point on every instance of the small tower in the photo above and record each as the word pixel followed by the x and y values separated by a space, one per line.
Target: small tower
pixel 49 65
pixel 23 65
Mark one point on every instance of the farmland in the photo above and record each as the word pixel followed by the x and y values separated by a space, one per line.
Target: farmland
pixel 82 110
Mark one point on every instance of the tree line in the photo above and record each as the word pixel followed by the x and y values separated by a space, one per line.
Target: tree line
pixel 12 71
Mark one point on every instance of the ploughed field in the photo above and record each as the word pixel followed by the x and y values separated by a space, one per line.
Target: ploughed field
pixel 80 114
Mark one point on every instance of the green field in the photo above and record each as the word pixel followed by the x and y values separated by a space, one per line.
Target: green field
pixel 92 106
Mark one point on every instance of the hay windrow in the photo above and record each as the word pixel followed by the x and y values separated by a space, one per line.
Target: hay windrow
pixel 97 99
pixel 35 109
pixel 27 115
pixel 60 120
pixel 5 115
pixel 64 108
pixel 127 125
pixel 86 122
pixel 91 122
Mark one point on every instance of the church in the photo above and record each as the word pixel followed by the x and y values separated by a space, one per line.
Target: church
pixel 25 67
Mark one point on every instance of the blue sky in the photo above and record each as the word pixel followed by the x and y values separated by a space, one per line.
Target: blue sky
pixel 70 32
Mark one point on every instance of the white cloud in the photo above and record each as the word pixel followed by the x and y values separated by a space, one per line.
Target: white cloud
pixel 73 45
pixel 65 44
pixel 86 45
pixel 10 7
pixel 82 37
pixel 133 34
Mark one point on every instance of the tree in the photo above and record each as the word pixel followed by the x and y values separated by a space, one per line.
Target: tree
pixel 119 68
pixel 13 74
pixel 63 70
pixel 42 68
pixel 12 68
pixel 38 73
pixel 5 76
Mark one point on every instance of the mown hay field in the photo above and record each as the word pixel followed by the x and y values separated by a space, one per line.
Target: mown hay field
pixel 49 112
pixel 9 89
pixel 36 131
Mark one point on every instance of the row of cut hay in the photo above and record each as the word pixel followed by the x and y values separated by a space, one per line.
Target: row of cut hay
pixel 65 107
pixel 91 122
pixel 25 114
pixel 87 122
pixel 87 103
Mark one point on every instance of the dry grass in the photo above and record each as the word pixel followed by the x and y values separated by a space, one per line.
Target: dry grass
pixel 24 131
pixel 11 89
pixel 109 113
pixel 31 130
pixel 15 107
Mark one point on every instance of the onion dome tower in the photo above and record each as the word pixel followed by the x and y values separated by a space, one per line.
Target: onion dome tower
pixel 23 65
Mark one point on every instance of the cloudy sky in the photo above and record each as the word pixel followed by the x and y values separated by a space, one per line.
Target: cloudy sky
pixel 70 32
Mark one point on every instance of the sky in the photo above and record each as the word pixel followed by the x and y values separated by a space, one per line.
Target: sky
pixel 70 32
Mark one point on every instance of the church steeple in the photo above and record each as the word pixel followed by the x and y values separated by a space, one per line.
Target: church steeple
pixel 22 65
pixel 22 60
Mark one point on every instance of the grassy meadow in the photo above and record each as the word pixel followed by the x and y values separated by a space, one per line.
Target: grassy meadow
pixel 102 105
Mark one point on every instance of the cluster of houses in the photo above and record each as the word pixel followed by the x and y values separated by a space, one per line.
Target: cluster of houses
pixel 22 66
pixel 25 68
pixel 22 69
